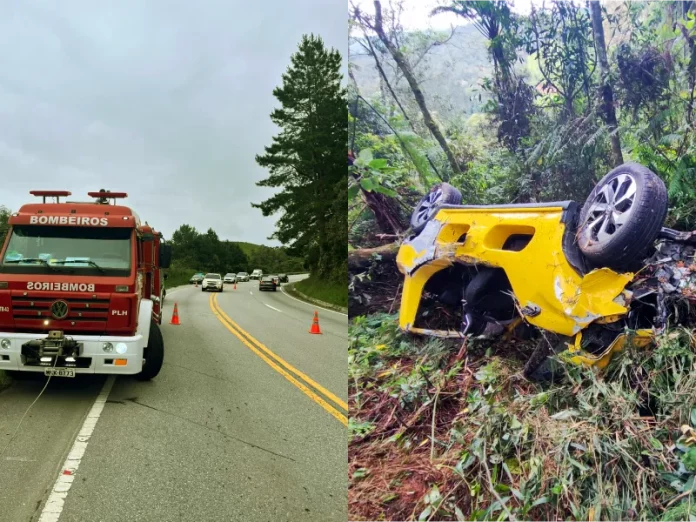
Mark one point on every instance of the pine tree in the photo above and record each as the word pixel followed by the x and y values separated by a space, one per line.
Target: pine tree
pixel 307 159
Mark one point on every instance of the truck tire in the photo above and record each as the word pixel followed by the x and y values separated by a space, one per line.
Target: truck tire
pixel 440 194
pixel 153 354
pixel 622 217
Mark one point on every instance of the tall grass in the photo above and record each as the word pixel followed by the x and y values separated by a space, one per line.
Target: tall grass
pixel 328 291
pixel 177 276
pixel 620 445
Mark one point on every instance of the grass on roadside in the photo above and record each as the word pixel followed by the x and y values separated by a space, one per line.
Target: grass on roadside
pixel 440 437
pixel 327 291
pixel 177 276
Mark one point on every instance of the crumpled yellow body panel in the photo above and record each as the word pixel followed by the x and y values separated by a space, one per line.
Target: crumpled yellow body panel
pixel 540 274
pixel 640 338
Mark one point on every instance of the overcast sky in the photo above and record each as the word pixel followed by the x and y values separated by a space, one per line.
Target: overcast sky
pixel 416 13
pixel 166 100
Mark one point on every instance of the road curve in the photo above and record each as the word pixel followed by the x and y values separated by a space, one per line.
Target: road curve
pixel 237 426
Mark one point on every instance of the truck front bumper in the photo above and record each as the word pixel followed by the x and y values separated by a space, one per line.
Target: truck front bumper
pixel 125 357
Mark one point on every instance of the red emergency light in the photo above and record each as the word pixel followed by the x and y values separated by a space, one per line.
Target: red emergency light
pixel 50 194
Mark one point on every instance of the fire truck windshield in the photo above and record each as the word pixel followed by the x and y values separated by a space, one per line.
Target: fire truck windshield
pixel 69 250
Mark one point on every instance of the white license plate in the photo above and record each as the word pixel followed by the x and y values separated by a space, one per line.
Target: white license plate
pixel 59 372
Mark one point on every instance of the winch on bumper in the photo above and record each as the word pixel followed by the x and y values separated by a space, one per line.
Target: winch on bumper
pixel 83 353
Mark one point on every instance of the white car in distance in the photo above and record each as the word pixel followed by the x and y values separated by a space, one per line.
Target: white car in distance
pixel 212 282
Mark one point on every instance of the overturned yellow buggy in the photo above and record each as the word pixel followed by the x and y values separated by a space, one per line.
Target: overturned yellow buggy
pixel 555 266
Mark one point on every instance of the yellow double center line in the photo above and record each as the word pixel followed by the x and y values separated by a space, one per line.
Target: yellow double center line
pixel 309 387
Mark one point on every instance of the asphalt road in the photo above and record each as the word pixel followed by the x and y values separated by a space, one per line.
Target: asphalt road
pixel 246 421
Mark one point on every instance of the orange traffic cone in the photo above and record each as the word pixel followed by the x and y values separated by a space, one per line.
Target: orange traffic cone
pixel 235 286
pixel 175 316
pixel 315 324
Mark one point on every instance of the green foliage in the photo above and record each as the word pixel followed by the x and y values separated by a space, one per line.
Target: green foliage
pixel 178 275
pixel 335 293
pixel 4 223
pixel 194 251
pixel 577 450
pixel 561 39
pixel 610 446
pixel 307 160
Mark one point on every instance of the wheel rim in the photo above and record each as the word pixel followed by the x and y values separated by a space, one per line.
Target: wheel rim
pixel 611 209
pixel 427 206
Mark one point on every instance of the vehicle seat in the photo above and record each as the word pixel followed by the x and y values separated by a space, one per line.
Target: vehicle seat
pixel 488 293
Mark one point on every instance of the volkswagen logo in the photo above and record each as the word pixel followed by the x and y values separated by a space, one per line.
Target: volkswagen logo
pixel 59 309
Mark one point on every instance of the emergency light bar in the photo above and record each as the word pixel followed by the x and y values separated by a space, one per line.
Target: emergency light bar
pixel 107 194
pixel 50 194
pixel 104 195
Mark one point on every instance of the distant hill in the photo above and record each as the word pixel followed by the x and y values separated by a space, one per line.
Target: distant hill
pixel 450 74
pixel 249 248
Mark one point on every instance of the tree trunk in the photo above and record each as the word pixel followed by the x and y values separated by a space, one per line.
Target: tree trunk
pixel 384 208
pixel 363 257
pixel 383 75
pixel 606 91
pixel 405 68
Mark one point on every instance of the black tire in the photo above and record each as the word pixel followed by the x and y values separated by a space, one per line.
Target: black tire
pixel 440 194
pixel 622 247
pixel 153 354
pixel 202 289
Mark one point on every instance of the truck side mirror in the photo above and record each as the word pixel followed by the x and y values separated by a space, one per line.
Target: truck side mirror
pixel 165 256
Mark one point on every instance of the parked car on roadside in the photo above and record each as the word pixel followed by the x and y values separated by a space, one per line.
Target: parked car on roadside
pixel 197 278
pixel 267 283
pixel 242 276
pixel 230 278
pixel 212 282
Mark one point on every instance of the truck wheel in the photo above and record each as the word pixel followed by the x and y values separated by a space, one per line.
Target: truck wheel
pixel 153 354
pixel 202 289
pixel 440 194
pixel 622 217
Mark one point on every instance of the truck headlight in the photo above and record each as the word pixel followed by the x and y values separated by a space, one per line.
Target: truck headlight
pixel 5 344
pixel 121 348
pixel 108 347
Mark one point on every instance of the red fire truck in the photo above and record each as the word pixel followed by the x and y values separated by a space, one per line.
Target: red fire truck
pixel 81 289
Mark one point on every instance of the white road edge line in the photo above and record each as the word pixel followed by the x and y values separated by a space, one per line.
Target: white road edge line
pixel 56 500
pixel 273 308
pixel 310 304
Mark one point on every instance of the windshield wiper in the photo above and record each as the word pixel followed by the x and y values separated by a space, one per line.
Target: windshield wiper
pixel 31 260
pixel 90 263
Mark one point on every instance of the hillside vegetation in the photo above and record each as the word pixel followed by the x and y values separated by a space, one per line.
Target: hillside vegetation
pixel 451 430
pixel 193 251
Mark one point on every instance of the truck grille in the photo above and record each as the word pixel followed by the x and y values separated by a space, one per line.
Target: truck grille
pixel 31 312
